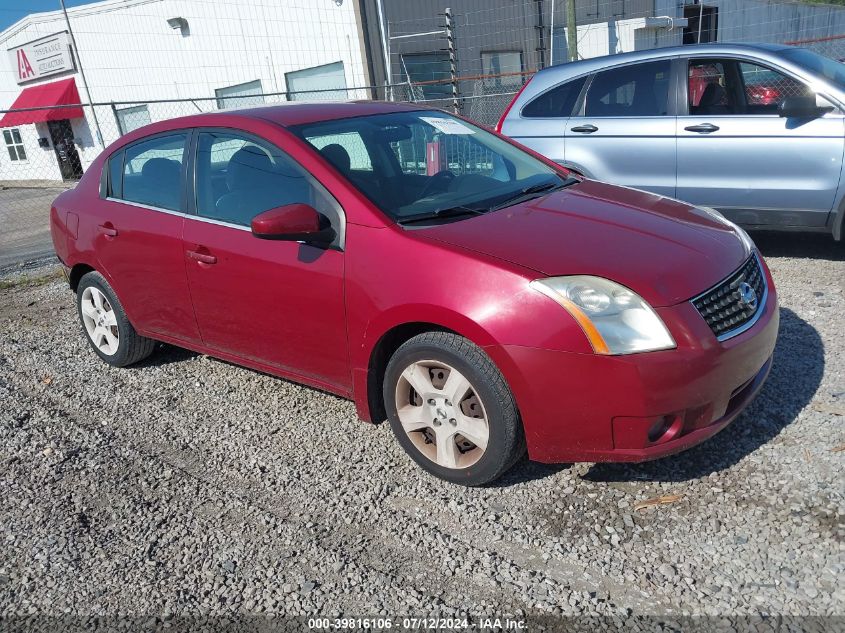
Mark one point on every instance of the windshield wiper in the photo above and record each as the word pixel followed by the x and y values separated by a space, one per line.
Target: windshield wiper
pixel 448 212
pixel 534 191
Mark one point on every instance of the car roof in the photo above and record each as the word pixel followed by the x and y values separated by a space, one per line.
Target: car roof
pixel 303 112
pixel 718 48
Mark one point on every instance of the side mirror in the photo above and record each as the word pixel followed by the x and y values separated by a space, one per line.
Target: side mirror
pixel 293 223
pixel 801 107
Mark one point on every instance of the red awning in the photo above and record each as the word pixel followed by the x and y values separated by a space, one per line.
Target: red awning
pixel 52 94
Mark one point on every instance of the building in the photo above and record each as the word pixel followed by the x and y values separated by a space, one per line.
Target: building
pixel 497 43
pixel 146 60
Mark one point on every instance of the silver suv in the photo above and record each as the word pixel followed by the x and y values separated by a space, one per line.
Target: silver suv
pixel 755 131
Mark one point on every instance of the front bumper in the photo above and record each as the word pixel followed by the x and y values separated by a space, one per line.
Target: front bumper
pixel 587 407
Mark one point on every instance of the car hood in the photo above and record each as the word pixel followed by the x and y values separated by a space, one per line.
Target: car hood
pixel 664 250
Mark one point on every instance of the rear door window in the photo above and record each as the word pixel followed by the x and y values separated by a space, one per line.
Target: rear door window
pixel 153 171
pixel 557 102
pixel 635 90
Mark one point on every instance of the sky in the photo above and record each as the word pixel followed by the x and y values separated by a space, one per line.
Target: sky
pixel 13 10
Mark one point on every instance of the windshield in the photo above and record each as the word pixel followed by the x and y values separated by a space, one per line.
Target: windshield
pixel 415 165
pixel 824 67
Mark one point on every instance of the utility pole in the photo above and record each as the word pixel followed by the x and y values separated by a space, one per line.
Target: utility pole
pixel 82 73
pixel 571 31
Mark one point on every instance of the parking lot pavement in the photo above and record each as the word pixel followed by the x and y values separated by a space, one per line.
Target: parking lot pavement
pixel 188 485
pixel 25 223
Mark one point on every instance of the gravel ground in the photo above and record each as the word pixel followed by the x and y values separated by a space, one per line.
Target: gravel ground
pixel 189 486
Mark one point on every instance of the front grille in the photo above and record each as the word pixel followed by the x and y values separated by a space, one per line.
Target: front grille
pixel 723 308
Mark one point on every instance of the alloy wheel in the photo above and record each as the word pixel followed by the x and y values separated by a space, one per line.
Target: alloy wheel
pixel 100 320
pixel 442 414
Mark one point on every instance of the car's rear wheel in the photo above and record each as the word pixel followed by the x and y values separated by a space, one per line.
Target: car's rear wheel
pixel 451 410
pixel 105 324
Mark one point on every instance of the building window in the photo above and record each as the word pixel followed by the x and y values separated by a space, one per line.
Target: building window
pixel 429 67
pixel 129 119
pixel 328 83
pixel 502 68
pixel 14 144
pixel 240 96
pixel 702 24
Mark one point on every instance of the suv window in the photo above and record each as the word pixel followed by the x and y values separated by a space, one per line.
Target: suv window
pixel 764 88
pixel 557 102
pixel 732 87
pixel 634 90
pixel 710 89
pixel 152 172
pixel 238 177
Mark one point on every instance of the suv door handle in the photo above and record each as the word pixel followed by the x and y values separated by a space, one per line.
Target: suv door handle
pixel 589 128
pixel 703 128
pixel 202 258
pixel 107 229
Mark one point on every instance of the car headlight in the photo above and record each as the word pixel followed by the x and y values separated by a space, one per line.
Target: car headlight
pixel 615 319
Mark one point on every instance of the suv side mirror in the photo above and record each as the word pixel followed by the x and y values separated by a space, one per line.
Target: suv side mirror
pixel 293 223
pixel 802 107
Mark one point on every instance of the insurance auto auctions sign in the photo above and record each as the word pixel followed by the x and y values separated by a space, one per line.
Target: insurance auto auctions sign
pixel 42 57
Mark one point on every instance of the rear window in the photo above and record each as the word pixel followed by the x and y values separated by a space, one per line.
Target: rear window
pixel 633 90
pixel 557 102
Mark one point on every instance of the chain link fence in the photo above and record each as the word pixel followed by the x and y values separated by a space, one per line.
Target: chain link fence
pixel 473 61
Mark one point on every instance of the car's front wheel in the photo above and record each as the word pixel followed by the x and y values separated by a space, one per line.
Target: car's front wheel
pixel 451 410
pixel 106 326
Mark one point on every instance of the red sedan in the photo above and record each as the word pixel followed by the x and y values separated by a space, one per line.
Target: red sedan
pixel 481 298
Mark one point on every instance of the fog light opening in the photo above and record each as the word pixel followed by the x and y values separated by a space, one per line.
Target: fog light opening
pixel 660 427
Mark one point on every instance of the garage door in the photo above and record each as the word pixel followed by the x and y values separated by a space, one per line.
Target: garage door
pixel 320 83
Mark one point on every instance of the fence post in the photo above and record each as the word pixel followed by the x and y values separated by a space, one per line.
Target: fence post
pixel 571 31
pixel 116 119
pixel 453 63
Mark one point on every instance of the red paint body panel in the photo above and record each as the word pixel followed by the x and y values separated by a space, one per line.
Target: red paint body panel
pixel 589 391
pixel 317 315
pixel 277 303
pixel 293 218
pixel 664 250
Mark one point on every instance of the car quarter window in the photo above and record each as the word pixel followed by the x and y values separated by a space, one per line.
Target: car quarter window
pixel 633 90
pixel 115 181
pixel 152 172
pixel 557 102
pixel 734 87
pixel 238 177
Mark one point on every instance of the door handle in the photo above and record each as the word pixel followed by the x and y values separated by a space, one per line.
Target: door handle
pixel 202 258
pixel 703 128
pixel 589 128
pixel 107 229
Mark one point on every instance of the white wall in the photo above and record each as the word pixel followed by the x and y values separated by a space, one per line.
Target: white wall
pixel 130 53
pixel 615 36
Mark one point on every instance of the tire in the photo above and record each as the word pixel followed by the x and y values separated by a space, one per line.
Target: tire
pixel 105 326
pixel 447 438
